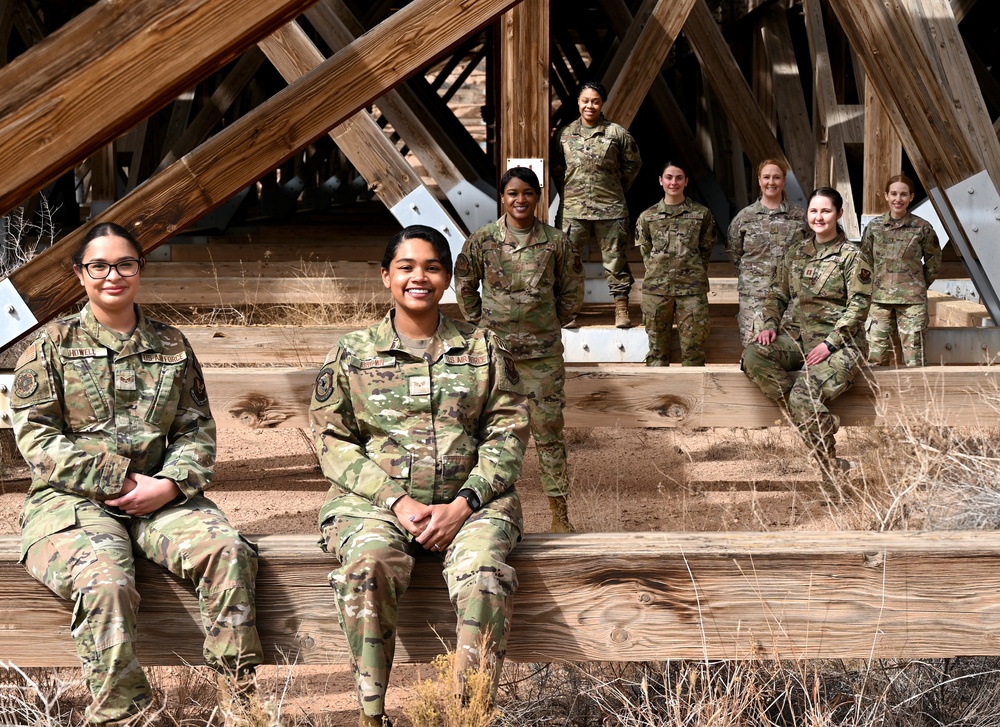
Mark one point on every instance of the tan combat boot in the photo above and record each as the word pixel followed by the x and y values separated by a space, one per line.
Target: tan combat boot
pixel 621 313
pixel 560 516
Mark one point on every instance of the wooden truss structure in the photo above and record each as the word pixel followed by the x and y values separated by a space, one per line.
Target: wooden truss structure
pixel 165 112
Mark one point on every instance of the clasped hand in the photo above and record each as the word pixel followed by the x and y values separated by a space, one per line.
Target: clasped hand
pixel 433 526
pixel 142 494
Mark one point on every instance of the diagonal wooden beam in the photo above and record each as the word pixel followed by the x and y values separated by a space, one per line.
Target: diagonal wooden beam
pixel 644 59
pixel 108 68
pixel 360 137
pixel 793 114
pixel 831 166
pixel 731 88
pixel 212 112
pixel 262 139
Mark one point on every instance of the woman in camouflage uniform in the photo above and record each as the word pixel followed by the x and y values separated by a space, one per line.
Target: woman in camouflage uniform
pixel 907 257
pixel 421 424
pixel 532 285
pixel 596 162
pixel 832 279
pixel 111 414
pixel 759 236
pixel 676 237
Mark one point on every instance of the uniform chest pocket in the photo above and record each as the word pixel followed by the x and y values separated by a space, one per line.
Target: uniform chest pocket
pixel 87 387
pixel 535 265
pixel 660 229
pixel 819 278
pixel 493 272
pixel 162 381
pixel 904 249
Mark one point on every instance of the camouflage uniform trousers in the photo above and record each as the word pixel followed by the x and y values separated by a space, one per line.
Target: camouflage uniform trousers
pixel 92 565
pixel 376 562
pixel 544 381
pixel 884 319
pixel 693 326
pixel 614 237
pixel 805 395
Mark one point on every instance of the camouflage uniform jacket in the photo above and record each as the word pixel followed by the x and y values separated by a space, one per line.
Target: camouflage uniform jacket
pixel 599 169
pixel 388 424
pixel 90 408
pixel 833 282
pixel 906 256
pixel 529 292
pixel 676 242
pixel 758 239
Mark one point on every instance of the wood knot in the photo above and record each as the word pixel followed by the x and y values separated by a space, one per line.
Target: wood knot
pixel 645 598
pixel 257 411
pixel 671 407
pixel 619 635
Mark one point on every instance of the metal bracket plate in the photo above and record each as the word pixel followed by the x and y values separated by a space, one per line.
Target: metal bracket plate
pixel 6 413
pixel 974 228
pixel 16 317
pixel 474 206
pixel 605 345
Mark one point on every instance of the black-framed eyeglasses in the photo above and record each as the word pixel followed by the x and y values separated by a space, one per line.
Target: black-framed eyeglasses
pixel 126 268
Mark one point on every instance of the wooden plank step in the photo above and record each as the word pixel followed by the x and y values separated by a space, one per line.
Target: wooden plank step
pixel 636 396
pixel 598 597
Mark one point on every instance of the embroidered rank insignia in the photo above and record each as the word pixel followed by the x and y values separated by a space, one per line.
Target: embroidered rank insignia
pixel 198 391
pixel 25 384
pixel 420 385
pixel 324 384
pixel 577 263
pixel 510 368
pixel 125 379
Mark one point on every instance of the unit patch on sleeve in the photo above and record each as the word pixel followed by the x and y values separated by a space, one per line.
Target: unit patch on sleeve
pixel 324 384
pixel 25 384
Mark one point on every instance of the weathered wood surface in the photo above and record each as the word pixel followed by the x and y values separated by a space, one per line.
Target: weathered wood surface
pixel 726 78
pixel 599 597
pixel 228 162
pixel 62 99
pixel 524 80
pixel 645 58
pixel 635 396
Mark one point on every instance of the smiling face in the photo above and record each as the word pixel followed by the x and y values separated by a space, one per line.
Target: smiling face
pixel 114 294
pixel 823 216
pixel 673 181
pixel 519 202
pixel 899 197
pixel 772 183
pixel 590 104
pixel 416 278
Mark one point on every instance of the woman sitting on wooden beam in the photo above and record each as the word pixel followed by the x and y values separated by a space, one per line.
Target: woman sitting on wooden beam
pixel 421 425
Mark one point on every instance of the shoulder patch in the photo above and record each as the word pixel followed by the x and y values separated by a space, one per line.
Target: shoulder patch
pixel 28 355
pixel 25 383
pixel 865 276
pixel 462 265
pixel 198 392
pixel 324 384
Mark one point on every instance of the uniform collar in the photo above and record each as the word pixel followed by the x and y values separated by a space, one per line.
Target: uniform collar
pixel 386 339
pixel 535 235
pixel 763 209
pixel 665 208
pixel 901 222
pixel 825 249
pixel 576 127
pixel 144 338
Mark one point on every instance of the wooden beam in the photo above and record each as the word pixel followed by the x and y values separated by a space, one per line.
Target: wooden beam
pixel 825 96
pixel 731 88
pixel 645 58
pixel 635 396
pixel 883 155
pixel 257 142
pixel 523 117
pixel 793 114
pixel 596 597
pixel 218 104
pixel 961 8
pixel 59 107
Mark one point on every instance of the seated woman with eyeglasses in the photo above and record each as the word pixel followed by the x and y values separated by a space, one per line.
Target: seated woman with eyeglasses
pixel 111 413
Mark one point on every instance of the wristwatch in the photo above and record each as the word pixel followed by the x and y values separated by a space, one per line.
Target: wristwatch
pixel 470 497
